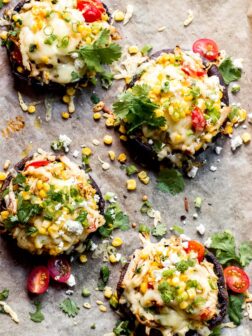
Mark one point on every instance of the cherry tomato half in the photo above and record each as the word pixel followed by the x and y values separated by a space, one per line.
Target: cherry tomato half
pixel 38 280
pixel 59 269
pixel 192 72
pixel 196 247
pixel 198 120
pixel 38 164
pixel 206 314
pixel 236 279
pixel 91 10
pixel 206 48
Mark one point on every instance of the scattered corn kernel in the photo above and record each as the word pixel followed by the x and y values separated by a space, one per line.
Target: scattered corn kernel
pixel 183 305
pixel 87 305
pixel 98 107
pixel 66 99
pixel 122 129
pixel 123 138
pixel 70 91
pixel 97 116
pixel 31 109
pixel 107 140
pixel 83 258
pixel 143 287
pixel 3 35
pixel 15 17
pixel 26 195
pixel 4 214
pixel 39 184
pixel 65 115
pixel 122 158
pixel 108 292
pixel 175 281
pixel 110 122
pixel 103 309
pixel 6 1
pixel 246 137
pixel 2 176
pixel 228 129
pixel 20 69
pixel 132 50
pixel 131 185
pixel 111 155
pixel 86 151
pixel 42 193
pixel 143 177
pixel 112 259
pixel 99 303
pixel 191 293
pixel 6 164
pixel 119 16
pixel 117 242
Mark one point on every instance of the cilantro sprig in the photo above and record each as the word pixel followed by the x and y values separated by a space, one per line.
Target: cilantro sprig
pixel 135 107
pixel 69 307
pixel 37 316
pixel 170 181
pixel 228 70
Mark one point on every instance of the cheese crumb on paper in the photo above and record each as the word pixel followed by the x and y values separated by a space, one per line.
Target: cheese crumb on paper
pixel 189 18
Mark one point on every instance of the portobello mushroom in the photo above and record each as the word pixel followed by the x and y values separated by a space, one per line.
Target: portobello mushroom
pixel 169 289
pixel 173 108
pixel 50 204
pixel 48 41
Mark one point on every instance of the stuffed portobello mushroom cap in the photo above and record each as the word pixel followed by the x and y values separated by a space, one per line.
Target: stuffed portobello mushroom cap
pixel 173 107
pixel 50 204
pixel 166 290
pixel 47 38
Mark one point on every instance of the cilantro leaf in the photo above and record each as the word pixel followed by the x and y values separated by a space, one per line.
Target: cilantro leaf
pixel 229 72
pixel 37 316
pixel 146 49
pixel 245 253
pixel 170 181
pixel 131 170
pixel 26 210
pixel 122 328
pixel 235 308
pixel 4 294
pixel 144 229
pixel 160 230
pixel 69 307
pixel 167 292
pixel 104 277
pixel 115 219
pixel 19 179
pixel 216 331
pixel 136 107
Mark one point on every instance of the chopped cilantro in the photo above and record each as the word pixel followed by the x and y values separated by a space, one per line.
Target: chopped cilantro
pixel 170 181
pixel 183 265
pixel 146 49
pixel 4 294
pixel 32 47
pixel 31 230
pixel 136 107
pixel 20 180
pixel 122 328
pixel 159 230
pixel 235 304
pixel 216 331
pixel 26 210
pixel 115 219
pixel 177 229
pixel 104 277
pixel 168 273
pixel 82 218
pixel 143 229
pixel 37 316
pixel 146 206
pixel 229 72
pixel 167 292
pixel 75 76
pixel 131 170
pixel 95 99
pixel 69 307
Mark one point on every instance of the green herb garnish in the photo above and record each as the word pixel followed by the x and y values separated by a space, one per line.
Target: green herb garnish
pixel 69 307
pixel 37 316
pixel 170 181
pixel 159 230
pixel 235 304
pixel 104 277
pixel 229 72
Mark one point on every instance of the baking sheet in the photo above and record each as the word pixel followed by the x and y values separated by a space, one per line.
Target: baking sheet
pixel 226 193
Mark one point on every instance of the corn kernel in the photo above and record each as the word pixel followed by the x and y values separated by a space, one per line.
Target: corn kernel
pixel 183 277
pixel 143 288
pixel 70 91
pixel 183 305
pixel 65 115
pixel 3 35
pixel 42 231
pixel 111 155
pixel 31 109
pixel 4 214
pixel 86 151
pixel 42 193
pixel 122 158
pixel 144 255
pixel 2 176
pixel 97 116
pixel 39 185
pixel 107 140
pixel 175 281
pixel 159 113
pixel 98 107
pixel 117 242
pixel 143 177
pixel 123 138
pixel 46 186
pixel 132 50
pixel 6 1
pixel 102 308
pixel 87 305
pixel 228 129
pixel 15 17
pixel 110 122
pixel 26 195
pixel 191 293
pixel 131 185
pixel 66 99
pixel 107 292
pixel 83 258
pixel 119 16
pixel 246 137
pixel 113 259
pixel 20 69
pixel 122 129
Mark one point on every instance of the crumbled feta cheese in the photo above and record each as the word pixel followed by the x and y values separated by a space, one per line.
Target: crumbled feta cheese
pixel 185 244
pixel 189 18
pixel 150 142
pixel 96 198
pixel 166 263
pixel 58 206
pixel 96 142
pixel 238 63
pixel 110 197
pixel 76 154
pixel 218 150
pixel 250 118
pixel 93 246
pixel 208 243
pixel 213 168
pixel 69 292
pixel 66 141
pixel 236 143
pixel 118 256
pixel 128 14
pixel 244 126
pixel 195 215
pixel 71 282
pixel 185 237
pixel 201 229
pixel 193 172
pixel 158 274
pixel 174 258
pixel 73 227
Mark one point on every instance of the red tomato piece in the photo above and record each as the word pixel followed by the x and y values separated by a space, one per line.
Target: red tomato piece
pixel 206 48
pixel 59 269
pixel 206 315
pixel 38 280
pixel 91 10
pixel 192 72
pixel 198 120
pixel 38 164
pixel 236 279
pixel 196 247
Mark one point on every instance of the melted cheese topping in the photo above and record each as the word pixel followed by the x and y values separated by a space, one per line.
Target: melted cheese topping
pixel 68 206
pixel 49 35
pixel 177 91
pixel 163 295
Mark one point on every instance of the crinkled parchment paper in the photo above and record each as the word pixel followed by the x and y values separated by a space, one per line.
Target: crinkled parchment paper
pixel 226 193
